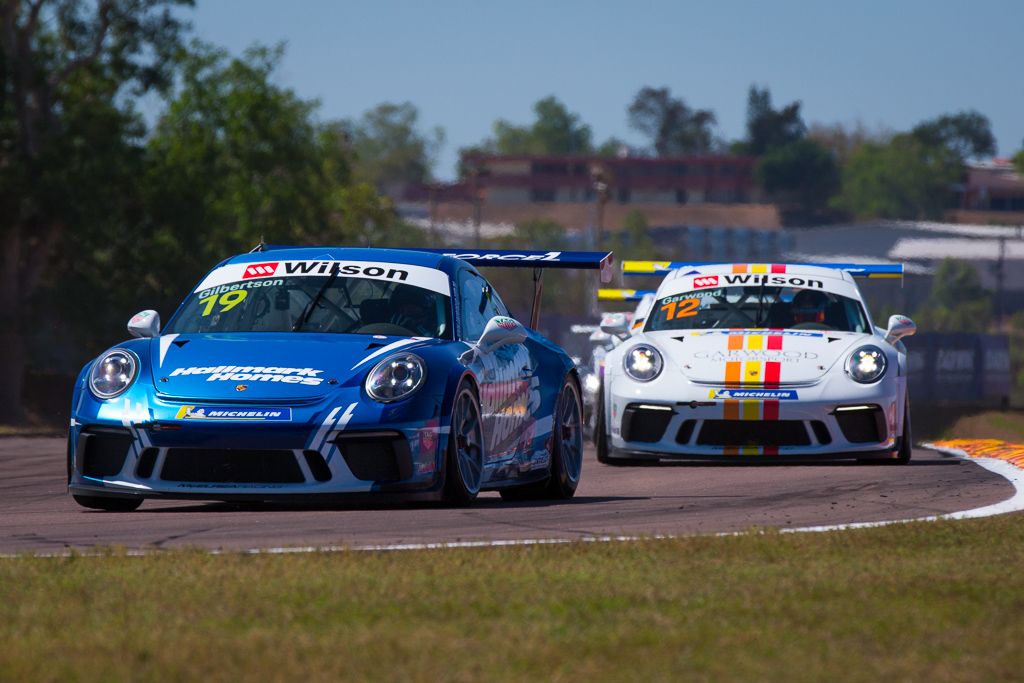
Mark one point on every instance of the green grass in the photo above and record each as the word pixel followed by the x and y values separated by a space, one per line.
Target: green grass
pixel 925 601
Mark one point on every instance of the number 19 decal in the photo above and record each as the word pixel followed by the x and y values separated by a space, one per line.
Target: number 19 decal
pixel 681 309
pixel 227 300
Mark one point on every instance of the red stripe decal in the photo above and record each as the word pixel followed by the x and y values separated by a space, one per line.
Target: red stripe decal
pixel 771 410
pixel 771 450
pixel 775 342
pixel 772 372
pixel 778 268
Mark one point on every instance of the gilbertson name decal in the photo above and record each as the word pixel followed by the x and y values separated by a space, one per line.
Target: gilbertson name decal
pixel 248 373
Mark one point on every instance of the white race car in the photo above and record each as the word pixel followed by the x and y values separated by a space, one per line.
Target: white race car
pixel 757 360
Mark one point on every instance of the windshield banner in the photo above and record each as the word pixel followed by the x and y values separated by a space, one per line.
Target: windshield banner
pixel 249 275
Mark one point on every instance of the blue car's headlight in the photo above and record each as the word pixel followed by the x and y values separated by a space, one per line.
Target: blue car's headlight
pixel 866 364
pixel 396 377
pixel 113 373
pixel 643 363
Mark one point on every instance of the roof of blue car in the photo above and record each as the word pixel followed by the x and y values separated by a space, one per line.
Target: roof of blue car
pixel 273 252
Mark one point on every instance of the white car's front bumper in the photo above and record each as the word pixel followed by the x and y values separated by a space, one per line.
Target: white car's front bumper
pixel 683 419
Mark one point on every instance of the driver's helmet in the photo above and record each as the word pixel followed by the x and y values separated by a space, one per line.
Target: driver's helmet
pixel 809 306
pixel 412 309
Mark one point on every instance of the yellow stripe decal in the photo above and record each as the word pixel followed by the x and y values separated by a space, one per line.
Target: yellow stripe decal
pixel 752 373
pixel 751 410
pixel 759 268
pixel 755 342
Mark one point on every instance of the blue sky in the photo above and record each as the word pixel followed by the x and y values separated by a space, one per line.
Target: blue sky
pixel 464 64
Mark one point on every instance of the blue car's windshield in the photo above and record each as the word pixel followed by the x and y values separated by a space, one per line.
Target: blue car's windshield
pixel 329 303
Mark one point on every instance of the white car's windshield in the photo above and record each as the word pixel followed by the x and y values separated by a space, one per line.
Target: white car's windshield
pixel 758 307
pixel 337 304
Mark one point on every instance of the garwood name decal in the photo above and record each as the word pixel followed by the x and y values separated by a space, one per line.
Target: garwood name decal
pixel 756 354
pixel 248 373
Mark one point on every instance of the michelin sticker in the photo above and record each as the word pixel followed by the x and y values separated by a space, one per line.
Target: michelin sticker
pixel 235 414
pixel 756 394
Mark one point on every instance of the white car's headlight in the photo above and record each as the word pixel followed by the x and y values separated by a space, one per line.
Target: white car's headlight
pixel 113 373
pixel 396 377
pixel 643 363
pixel 866 364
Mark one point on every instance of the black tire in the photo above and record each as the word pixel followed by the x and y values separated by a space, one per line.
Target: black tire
pixel 906 444
pixel 464 458
pixel 566 451
pixel 108 504
pixel 601 430
pixel 601 441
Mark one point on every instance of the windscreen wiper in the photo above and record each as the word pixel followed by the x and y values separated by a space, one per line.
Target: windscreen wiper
pixel 307 312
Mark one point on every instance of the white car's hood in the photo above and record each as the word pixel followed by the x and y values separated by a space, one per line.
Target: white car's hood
pixel 755 356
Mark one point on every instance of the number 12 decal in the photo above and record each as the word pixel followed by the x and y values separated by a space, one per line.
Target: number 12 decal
pixel 681 309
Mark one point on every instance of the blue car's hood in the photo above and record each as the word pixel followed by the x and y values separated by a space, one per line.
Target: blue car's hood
pixel 265 366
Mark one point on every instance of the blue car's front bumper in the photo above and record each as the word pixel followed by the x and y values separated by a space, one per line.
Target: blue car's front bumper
pixel 139 445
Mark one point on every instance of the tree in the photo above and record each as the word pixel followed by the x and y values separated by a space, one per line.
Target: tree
pixel 768 127
pixel 802 172
pixel 958 302
pixel 672 127
pixel 65 65
pixel 842 141
pixel 236 159
pixel 555 130
pixel 388 148
pixel 967 134
pixel 900 179
pixel 1018 161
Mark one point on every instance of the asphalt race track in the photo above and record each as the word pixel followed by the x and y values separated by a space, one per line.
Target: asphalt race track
pixel 37 514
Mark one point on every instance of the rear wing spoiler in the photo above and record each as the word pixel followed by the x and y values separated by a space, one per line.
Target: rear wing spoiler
pixel 516 258
pixel 863 270
pixel 538 261
pixel 623 294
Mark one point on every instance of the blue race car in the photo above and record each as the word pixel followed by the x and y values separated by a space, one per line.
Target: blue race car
pixel 290 373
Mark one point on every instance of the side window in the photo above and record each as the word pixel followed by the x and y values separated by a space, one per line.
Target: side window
pixel 478 303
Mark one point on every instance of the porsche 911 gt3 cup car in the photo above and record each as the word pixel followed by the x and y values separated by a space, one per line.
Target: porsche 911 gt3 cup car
pixel 757 360
pixel 297 372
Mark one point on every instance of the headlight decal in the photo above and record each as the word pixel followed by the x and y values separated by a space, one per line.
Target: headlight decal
pixel 113 373
pixel 396 377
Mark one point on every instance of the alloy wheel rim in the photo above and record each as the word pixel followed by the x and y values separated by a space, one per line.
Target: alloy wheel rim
pixel 570 433
pixel 468 442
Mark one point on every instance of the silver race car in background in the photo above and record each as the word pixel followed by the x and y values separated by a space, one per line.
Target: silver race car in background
pixel 757 360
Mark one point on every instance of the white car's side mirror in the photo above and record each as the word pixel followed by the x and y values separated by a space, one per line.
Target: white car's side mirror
pixel 616 325
pixel 144 324
pixel 899 326
pixel 501 331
